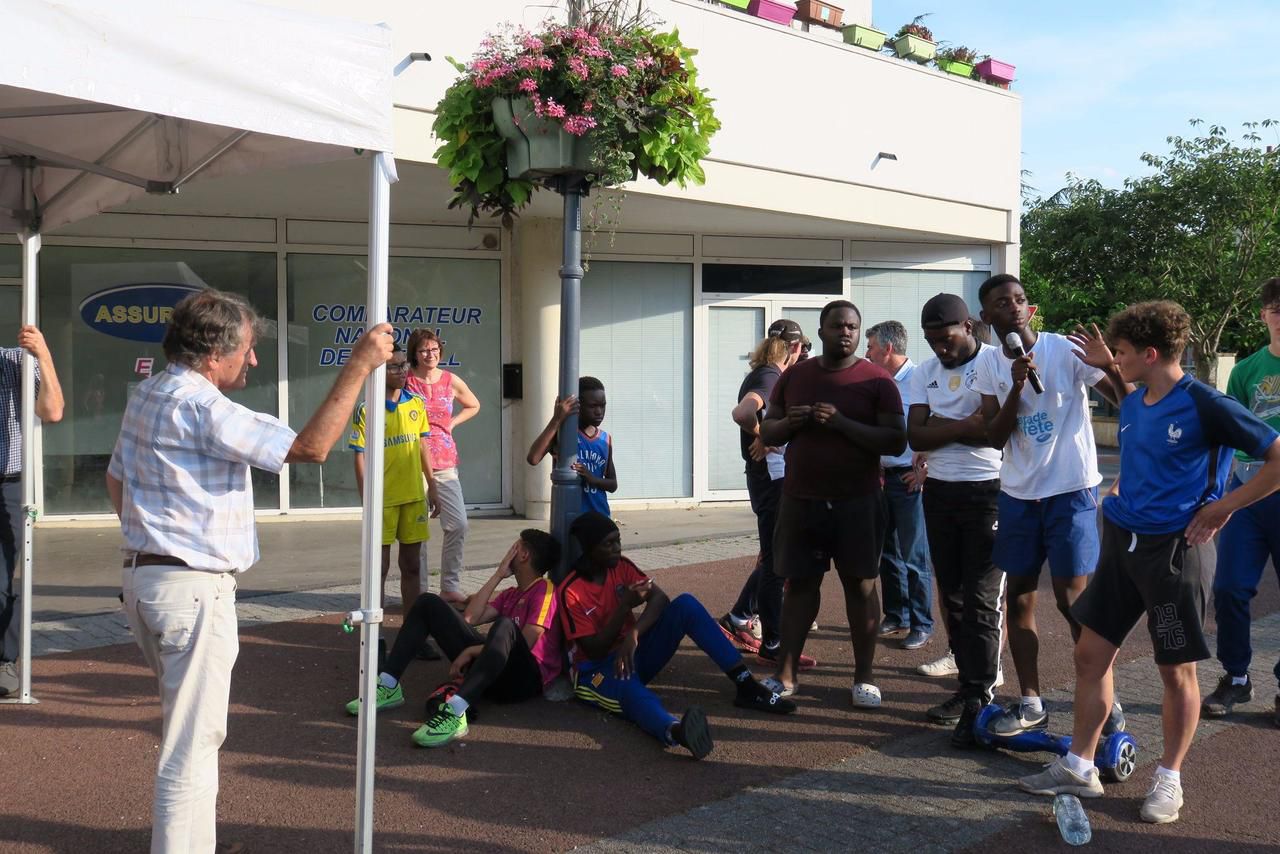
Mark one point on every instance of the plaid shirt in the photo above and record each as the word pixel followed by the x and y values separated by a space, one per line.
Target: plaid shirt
pixel 11 408
pixel 183 456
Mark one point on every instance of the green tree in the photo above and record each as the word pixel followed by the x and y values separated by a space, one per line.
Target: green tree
pixel 1203 229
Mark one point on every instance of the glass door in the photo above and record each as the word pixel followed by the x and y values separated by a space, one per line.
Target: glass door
pixel 732 331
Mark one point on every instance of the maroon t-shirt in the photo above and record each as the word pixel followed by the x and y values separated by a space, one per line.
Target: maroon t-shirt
pixel 822 463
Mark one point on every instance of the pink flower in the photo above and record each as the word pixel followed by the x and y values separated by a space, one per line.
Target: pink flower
pixel 578 125
pixel 578 67
pixel 579 33
pixel 644 62
pixel 588 107
pixel 545 63
pixel 532 43
pixel 527 85
pixel 618 71
pixel 554 110
pixel 595 52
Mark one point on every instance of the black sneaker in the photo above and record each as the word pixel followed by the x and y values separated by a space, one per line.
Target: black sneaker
pixel 751 694
pixel 1226 696
pixel 962 738
pixel 949 712
pixel 692 733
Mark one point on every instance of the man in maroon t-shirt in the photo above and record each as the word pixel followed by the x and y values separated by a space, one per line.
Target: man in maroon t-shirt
pixel 837 415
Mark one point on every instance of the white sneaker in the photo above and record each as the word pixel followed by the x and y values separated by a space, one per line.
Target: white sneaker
pixel 757 630
pixel 866 695
pixel 1163 801
pixel 1058 779
pixel 945 666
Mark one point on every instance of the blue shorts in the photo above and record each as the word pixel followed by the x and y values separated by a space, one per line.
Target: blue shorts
pixel 1061 528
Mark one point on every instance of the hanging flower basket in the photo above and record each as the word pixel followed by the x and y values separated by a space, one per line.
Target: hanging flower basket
pixel 537 146
pixel 862 36
pixel 605 100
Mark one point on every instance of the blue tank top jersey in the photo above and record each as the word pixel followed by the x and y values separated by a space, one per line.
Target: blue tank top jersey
pixel 1175 454
pixel 594 454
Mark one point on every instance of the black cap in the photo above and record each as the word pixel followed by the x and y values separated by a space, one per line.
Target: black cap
pixel 787 330
pixel 943 310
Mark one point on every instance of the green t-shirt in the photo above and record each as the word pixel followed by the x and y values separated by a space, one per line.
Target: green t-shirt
pixel 1255 382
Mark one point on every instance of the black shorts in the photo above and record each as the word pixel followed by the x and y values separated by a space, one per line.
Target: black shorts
pixel 1158 574
pixel 812 533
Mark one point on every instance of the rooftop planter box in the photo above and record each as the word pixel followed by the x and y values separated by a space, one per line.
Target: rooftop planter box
pixel 914 48
pixel 818 12
pixel 737 4
pixel 956 67
pixel 957 60
pixel 772 10
pixel 996 72
pixel 868 37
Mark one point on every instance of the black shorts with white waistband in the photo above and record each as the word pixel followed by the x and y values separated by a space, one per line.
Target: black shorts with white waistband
pixel 1156 574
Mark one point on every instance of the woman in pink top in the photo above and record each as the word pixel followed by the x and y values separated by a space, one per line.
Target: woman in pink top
pixel 441 389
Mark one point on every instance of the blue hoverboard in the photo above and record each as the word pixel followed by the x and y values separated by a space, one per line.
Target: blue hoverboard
pixel 1116 757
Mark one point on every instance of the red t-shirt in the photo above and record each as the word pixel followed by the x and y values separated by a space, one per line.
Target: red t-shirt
pixel 585 606
pixel 821 463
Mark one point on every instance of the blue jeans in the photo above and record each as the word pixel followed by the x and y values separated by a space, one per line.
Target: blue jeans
pixel 594 681
pixel 1247 540
pixel 905 576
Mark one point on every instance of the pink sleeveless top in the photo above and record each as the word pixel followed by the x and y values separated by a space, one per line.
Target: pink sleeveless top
pixel 439 400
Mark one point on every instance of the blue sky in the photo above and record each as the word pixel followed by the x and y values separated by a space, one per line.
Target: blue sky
pixel 1102 82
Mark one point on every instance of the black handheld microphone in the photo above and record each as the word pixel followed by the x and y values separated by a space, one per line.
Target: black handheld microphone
pixel 1014 342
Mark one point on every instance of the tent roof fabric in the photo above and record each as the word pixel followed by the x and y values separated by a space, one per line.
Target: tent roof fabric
pixel 157 90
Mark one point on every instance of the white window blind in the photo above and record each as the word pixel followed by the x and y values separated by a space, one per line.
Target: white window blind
pixel 637 338
pixel 900 295
pixel 731 332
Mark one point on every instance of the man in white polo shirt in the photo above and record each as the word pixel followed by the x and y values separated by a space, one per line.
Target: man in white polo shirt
pixel 179 481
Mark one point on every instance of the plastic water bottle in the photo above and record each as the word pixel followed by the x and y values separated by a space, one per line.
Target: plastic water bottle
pixel 1073 823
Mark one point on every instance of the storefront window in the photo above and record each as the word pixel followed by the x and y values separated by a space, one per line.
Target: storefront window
pixel 457 298
pixel 101 313
pixel 10 259
pixel 637 338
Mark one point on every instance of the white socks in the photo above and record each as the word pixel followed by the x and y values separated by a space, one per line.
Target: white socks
pixel 1079 767
pixel 1035 704
pixel 1175 776
pixel 1240 680
pixel 458 705
pixel 386 680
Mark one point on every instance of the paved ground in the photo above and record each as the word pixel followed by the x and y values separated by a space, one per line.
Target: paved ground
pixel 553 776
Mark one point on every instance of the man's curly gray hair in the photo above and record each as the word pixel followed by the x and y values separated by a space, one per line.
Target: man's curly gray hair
pixel 208 323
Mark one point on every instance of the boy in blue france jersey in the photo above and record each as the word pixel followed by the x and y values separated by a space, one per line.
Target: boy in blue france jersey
pixel 595 447
pixel 1157 556
pixel 1252 535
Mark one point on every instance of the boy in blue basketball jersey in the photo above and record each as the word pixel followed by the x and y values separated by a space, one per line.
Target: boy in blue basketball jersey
pixel 1176 438
pixel 595 447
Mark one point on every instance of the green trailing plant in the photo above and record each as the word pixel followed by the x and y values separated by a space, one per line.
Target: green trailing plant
pixel 615 77
pixel 916 28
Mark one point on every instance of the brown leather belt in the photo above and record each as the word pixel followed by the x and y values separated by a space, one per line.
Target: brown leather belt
pixel 146 559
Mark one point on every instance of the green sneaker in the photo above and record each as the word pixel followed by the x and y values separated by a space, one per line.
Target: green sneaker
pixel 441 728
pixel 388 698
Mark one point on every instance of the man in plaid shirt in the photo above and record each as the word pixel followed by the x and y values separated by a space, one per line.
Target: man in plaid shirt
pixel 49 407
pixel 179 481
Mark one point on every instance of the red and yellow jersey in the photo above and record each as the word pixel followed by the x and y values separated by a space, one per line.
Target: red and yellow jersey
pixel 585 605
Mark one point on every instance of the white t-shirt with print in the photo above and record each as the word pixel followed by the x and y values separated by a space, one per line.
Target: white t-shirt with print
pixel 902 379
pixel 947 394
pixel 1051 450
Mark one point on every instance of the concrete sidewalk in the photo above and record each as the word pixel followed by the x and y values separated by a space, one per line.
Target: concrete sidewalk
pixel 77 567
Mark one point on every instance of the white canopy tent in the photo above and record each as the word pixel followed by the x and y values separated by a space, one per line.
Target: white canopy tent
pixel 104 100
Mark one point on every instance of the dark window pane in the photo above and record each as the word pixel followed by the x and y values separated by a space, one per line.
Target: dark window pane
pixel 762 279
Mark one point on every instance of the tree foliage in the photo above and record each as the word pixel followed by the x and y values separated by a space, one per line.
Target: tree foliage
pixel 1202 229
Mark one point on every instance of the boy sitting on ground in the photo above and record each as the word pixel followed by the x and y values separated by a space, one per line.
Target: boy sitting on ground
pixel 615 655
pixel 521 655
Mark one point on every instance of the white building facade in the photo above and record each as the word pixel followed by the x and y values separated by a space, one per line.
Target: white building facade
pixel 837 173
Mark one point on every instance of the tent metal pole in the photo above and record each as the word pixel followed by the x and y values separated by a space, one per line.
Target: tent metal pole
pixel 382 175
pixel 58 110
pixel 214 153
pixel 65 161
pixel 30 252
pixel 124 142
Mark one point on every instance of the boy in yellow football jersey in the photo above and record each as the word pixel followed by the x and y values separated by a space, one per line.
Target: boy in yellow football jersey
pixel 406 468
